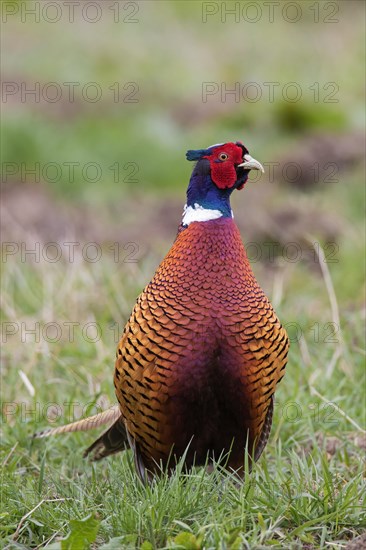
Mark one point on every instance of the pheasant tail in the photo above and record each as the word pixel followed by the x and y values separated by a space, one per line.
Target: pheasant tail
pixel 113 440
pixel 84 425
pixel 203 351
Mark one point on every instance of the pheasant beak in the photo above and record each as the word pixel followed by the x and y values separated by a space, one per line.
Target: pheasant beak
pixel 251 164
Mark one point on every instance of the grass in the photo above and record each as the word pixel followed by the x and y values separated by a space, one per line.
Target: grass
pixel 296 501
pixel 307 491
pixel 61 321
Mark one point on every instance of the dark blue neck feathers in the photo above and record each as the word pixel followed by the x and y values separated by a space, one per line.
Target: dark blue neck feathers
pixel 203 191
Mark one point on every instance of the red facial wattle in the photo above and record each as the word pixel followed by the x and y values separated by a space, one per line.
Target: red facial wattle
pixel 223 172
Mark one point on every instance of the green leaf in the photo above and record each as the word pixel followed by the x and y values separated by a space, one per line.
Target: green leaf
pixel 82 533
pixel 261 522
pixel 187 541
pixel 237 544
pixel 116 543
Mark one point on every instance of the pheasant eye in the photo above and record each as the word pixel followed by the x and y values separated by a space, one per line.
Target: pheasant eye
pixel 223 156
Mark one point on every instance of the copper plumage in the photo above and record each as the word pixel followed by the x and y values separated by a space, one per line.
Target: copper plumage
pixel 203 351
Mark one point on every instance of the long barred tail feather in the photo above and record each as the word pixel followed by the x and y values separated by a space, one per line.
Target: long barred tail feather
pixel 106 417
pixel 113 440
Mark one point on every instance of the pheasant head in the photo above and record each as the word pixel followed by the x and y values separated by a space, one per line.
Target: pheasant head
pixel 220 169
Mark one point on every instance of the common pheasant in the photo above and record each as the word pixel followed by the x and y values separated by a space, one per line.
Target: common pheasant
pixel 200 357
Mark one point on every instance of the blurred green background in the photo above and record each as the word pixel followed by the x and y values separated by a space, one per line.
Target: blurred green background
pixel 166 52
pixel 152 79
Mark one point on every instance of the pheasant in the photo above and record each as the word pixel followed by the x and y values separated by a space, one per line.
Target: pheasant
pixel 203 351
